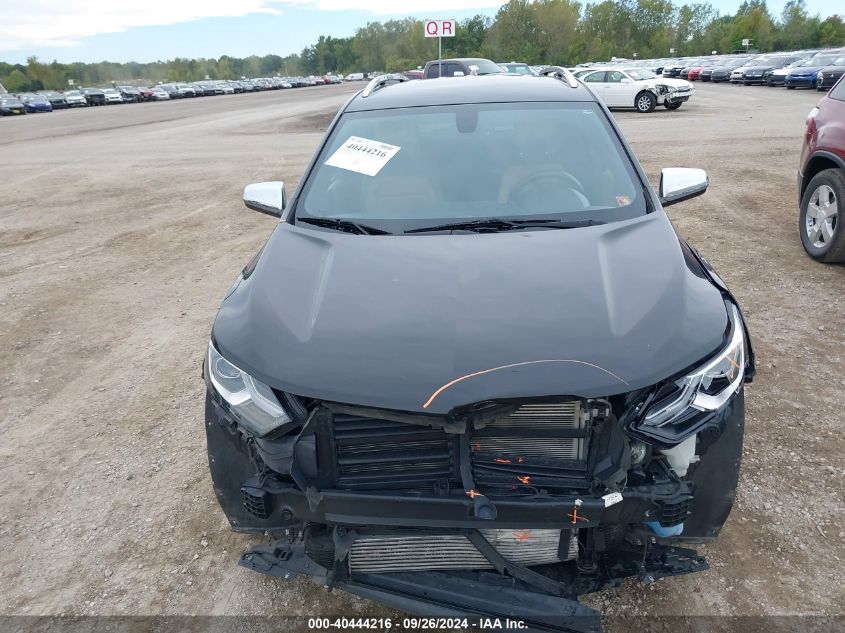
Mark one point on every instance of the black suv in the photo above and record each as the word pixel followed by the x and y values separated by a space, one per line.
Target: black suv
pixel 474 370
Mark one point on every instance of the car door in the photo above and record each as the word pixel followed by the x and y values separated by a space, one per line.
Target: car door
pixel 596 82
pixel 620 89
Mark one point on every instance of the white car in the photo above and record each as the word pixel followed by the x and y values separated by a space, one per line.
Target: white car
pixel 112 95
pixel 638 88
pixel 76 99
pixel 160 94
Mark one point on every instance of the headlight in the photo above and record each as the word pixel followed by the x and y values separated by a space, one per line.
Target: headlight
pixel 251 402
pixel 679 407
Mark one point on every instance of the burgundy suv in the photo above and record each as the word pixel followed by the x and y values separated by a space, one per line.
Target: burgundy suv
pixel 821 178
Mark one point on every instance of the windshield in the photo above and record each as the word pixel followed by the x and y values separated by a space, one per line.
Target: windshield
pixel 640 74
pixel 517 69
pixel 411 167
pixel 484 67
pixel 822 60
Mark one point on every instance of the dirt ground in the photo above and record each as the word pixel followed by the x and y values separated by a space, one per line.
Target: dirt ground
pixel 121 229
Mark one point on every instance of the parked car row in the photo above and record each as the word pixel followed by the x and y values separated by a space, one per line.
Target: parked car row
pixel 623 86
pixel 815 68
pixel 49 100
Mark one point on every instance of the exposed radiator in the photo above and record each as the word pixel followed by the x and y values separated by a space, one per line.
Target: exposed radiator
pixel 539 445
pixel 419 552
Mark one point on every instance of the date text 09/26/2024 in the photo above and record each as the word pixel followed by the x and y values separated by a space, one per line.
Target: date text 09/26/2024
pixel 416 624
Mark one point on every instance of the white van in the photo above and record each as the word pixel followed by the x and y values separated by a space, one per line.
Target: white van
pixel 355 77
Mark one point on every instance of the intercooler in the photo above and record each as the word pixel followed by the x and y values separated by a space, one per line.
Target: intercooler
pixel 420 552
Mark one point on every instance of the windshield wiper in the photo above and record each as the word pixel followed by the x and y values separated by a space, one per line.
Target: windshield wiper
pixel 501 224
pixel 344 225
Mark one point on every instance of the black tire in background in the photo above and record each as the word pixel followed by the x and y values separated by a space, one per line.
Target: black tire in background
pixel 826 186
pixel 645 102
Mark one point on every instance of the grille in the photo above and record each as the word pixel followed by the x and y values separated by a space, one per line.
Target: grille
pixel 419 552
pixel 672 514
pixel 374 454
pixel 256 502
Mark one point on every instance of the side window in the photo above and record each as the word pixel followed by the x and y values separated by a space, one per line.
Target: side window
pixel 614 77
pixel 450 69
pixel 838 91
pixel 594 78
pixel 432 72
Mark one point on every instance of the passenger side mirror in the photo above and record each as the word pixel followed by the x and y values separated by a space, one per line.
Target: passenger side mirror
pixel 681 183
pixel 266 197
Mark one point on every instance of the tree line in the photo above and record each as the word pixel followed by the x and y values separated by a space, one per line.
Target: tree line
pixel 563 32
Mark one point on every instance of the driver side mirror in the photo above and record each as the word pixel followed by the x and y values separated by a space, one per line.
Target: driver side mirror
pixel 681 183
pixel 266 197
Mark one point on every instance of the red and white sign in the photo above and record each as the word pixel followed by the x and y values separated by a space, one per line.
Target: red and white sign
pixel 439 28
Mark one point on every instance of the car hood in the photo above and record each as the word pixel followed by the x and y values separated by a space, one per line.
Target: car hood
pixel 805 70
pixel 427 323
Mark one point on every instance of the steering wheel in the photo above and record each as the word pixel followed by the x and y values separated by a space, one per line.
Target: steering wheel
pixel 572 183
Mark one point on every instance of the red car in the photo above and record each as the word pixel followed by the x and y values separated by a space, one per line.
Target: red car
pixel 821 178
pixel 695 73
pixel 146 94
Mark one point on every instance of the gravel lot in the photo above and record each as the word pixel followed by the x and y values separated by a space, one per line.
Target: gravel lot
pixel 121 228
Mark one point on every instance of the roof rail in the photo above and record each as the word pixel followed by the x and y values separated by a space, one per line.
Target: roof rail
pixel 561 73
pixel 382 81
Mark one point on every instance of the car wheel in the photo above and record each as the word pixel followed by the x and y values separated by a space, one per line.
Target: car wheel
pixel 822 208
pixel 672 106
pixel 645 102
pixel 790 87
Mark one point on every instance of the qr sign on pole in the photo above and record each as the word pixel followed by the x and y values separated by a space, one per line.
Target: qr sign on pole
pixel 439 28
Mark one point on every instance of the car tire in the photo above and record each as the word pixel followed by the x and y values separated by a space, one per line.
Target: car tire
pixel 645 102
pixel 672 106
pixel 790 87
pixel 822 234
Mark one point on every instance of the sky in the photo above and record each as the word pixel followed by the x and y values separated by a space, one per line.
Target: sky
pixel 149 30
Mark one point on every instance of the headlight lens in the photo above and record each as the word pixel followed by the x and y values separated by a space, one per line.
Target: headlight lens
pixel 252 403
pixel 707 388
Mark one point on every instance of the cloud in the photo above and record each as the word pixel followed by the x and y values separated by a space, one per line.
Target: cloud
pixel 37 24
pixel 30 24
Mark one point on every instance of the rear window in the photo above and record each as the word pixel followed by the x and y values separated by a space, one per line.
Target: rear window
pixel 472 161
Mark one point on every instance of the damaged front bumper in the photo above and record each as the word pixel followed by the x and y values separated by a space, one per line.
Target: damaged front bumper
pixel 509 511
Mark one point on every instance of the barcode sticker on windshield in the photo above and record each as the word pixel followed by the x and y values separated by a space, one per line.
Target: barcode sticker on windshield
pixel 362 155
